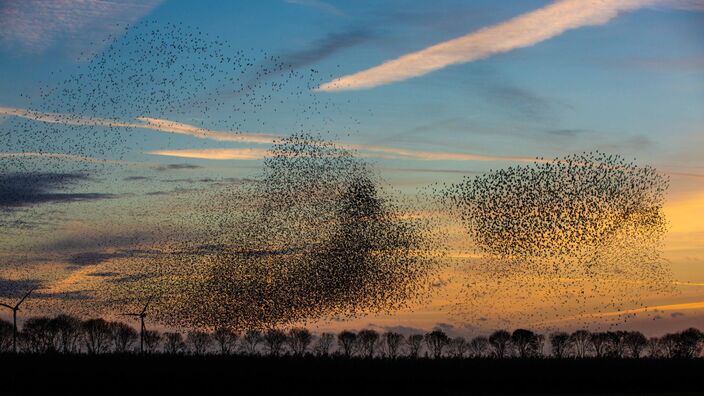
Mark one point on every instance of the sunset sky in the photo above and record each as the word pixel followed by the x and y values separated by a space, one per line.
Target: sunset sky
pixel 428 92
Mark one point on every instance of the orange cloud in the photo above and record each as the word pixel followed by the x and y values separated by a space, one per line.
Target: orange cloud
pixel 215 154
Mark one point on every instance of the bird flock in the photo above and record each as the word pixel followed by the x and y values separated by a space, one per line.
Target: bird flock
pixel 588 228
pixel 316 234
pixel 313 236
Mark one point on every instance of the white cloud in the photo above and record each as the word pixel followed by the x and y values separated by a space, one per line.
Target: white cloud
pixel 34 26
pixel 522 31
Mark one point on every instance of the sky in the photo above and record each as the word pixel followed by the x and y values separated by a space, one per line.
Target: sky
pixel 429 92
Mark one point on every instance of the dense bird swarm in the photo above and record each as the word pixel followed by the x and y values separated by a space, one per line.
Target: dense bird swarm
pixel 571 230
pixel 315 236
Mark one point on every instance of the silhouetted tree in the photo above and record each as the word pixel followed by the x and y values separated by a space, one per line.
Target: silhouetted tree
pixel 436 341
pixel 97 336
pixel 580 341
pixel 68 333
pixel 689 343
pixel 668 343
pixel 414 342
pixel 225 339
pixel 346 341
pixel 479 346
pixel 599 343
pixel 123 336
pixel 274 341
pixel 198 341
pixel 635 343
pixel 617 343
pixel 653 347
pixel 526 343
pixel 500 343
pixel 560 344
pixel 173 343
pixel 250 340
pixel 392 343
pixel 298 340
pixel 37 335
pixel 458 347
pixel 152 338
pixel 324 344
pixel 367 340
pixel 5 336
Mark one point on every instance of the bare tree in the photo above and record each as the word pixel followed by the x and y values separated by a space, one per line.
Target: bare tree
pixel 560 344
pixel 617 343
pixel 251 339
pixel 225 340
pixel 173 343
pixel 414 342
pixel 668 343
pixel 367 340
pixel 436 341
pixel 689 343
pixel 68 333
pixel 199 342
pixel 37 335
pixel 346 341
pixel 599 342
pixel 123 336
pixel 479 346
pixel 458 347
pixel 500 343
pixel 151 338
pixel 324 344
pixel 392 343
pixel 299 339
pixel 653 347
pixel 635 343
pixel 274 341
pixel 97 336
pixel 526 342
pixel 580 340
pixel 5 336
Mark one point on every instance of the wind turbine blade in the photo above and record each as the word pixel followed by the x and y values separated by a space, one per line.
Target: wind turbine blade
pixel 25 296
pixel 147 305
pixel 8 306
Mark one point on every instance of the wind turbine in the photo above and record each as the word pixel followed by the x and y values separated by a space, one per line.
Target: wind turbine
pixel 14 318
pixel 142 329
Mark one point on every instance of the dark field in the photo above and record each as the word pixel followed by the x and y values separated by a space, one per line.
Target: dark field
pixel 152 374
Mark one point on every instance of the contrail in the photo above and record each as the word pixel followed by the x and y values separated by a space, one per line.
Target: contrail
pixel 522 31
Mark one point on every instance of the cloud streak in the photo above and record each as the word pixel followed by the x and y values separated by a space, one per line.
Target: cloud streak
pixel 215 154
pixel 161 125
pixel 522 31
pixel 155 124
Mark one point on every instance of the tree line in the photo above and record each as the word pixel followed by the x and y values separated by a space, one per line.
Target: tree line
pixel 70 335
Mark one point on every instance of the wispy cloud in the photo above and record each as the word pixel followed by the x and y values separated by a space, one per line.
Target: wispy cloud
pixel 522 31
pixel 363 150
pixel 215 154
pixel 34 26
pixel 185 129
pixel 167 126
pixel 155 124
